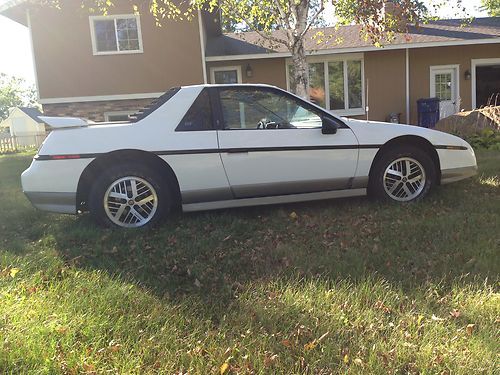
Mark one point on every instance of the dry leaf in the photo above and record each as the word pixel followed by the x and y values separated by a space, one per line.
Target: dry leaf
pixel 435 318
pixel 286 343
pixel 358 361
pixel 197 283
pixel 294 215
pixel 346 358
pixel 470 328
pixel 224 368
pixel 14 271
pixel 455 313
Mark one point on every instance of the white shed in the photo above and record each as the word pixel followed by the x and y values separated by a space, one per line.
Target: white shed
pixel 25 126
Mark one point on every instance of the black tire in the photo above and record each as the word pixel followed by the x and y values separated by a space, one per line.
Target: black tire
pixel 377 184
pixel 96 200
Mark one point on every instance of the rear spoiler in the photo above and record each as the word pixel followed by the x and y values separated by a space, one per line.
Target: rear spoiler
pixel 64 122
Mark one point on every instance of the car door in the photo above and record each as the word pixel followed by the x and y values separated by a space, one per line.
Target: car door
pixel 271 143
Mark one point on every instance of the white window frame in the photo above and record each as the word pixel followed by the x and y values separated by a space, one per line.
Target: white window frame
pixel 116 113
pixel 115 17
pixel 214 69
pixel 345 58
pixel 474 64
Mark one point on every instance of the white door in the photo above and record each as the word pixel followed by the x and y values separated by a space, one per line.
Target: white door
pixel 272 144
pixel 444 85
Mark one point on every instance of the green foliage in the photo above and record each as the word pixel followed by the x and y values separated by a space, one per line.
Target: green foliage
pixel 492 6
pixel 345 286
pixel 14 92
pixel 486 138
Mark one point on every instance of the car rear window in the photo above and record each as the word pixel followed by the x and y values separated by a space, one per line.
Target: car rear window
pixel 155 104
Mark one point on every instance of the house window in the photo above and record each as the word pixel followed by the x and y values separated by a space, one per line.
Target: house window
pixel 225 74
pixel 115 34
pixel 336 84
pixel 118 116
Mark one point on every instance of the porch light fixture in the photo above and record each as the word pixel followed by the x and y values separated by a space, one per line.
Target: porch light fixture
pixel 249 71
pixel 467 75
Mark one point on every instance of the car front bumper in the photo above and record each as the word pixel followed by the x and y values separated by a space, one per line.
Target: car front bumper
pixel 457 174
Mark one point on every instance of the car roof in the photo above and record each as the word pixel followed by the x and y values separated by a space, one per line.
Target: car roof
pixel 231 85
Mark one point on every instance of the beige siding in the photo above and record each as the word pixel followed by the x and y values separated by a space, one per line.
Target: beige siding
pixel 66 66
pixel 385 84
pixel 269 71
pixel 421 59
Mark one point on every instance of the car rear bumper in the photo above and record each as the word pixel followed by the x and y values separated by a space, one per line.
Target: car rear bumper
pixel 63 203
pixel 457 174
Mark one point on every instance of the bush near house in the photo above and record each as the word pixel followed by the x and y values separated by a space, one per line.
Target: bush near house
pixel 345 286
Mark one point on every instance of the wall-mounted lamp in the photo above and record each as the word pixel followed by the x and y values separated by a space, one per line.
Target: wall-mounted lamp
pixel 467 75
pixel 249 71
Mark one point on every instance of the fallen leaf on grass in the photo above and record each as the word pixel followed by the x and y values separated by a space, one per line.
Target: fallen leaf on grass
pixel 197 283
pixel 470 328
pixel 286 343
pixel 224 368
pixel 14 271
pixel 294 215
pixel 311 345
pixel 455 313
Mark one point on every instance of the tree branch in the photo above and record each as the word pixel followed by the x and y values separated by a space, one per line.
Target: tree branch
pixel 321 9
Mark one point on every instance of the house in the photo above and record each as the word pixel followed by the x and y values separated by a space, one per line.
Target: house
pixel 107 67
pixel 25 125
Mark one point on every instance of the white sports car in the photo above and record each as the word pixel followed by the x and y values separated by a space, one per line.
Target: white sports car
pixel 217 146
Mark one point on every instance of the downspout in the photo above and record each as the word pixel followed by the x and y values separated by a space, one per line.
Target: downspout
pixel 202 46
pixel 28 19
pixel 407 86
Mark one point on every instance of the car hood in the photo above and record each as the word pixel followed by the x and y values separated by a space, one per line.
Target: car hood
pixel 372 132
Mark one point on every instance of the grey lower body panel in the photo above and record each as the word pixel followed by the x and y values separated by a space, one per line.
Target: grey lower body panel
pixel 245 202
pixel 63 203
pixel 457 174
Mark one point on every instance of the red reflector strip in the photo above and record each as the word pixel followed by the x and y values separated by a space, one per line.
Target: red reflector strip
pixel 62 157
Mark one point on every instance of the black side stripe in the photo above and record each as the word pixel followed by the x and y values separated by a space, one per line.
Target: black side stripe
pixel 235 150
pixel 444 147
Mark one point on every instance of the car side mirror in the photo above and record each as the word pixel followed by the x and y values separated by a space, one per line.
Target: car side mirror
pixel 328 126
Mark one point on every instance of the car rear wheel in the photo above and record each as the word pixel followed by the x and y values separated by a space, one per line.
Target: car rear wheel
pixel 404 174
pixel 129 196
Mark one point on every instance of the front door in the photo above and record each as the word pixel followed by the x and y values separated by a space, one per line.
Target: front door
pixel 444 85
pixel 271 143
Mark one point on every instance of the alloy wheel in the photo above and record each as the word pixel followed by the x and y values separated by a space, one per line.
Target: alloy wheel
pixel 404 179
pixel 130 202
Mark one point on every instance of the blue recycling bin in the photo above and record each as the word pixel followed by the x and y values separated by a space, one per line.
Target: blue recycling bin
pixel 428 112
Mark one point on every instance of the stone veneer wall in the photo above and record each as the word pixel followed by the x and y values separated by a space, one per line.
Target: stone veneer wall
pixel 94 111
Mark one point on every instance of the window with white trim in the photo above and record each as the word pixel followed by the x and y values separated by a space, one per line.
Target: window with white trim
pixel 336 84
pixel 116 34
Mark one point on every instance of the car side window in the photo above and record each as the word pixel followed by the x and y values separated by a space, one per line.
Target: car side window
pixel 251 108
pixel 199 116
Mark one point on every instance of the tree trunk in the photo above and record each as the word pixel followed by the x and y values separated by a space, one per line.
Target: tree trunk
pixel 296 37
pixel 300 83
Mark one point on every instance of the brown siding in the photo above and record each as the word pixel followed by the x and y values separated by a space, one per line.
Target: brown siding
pixel 270 71
pixel 66 66
pixel 385 83
pixel 421 59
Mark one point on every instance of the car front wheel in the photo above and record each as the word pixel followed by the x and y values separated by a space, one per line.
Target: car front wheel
pixel 129 196
pixel 404 174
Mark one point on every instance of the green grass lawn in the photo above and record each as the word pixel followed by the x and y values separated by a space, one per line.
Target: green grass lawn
pixel 341 286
